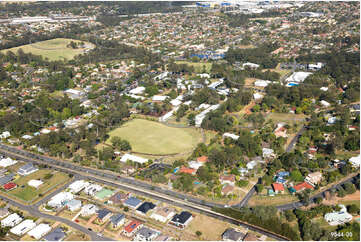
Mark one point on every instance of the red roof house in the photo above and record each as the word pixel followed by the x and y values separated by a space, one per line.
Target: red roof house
pixel 302 186
pixel 9 186
pixel 132 227
pixel 202 159
pixel 187 170
pixel 278 187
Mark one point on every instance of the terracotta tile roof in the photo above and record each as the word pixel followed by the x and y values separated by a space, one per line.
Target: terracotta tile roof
pixel 303 185
pixel 278 187
pixel 202 159
pixel 132 225
pixel 184 169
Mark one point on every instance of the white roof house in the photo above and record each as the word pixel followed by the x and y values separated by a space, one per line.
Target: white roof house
pixel 251 65
pixel 133 158
pixel 324 89
pixel 137 90
pixel 229 135
pixel 23 227
pixel 268 153
pixel 89 209
pixel 7 162
pixel 355 161
pixel 11 220
pixel 92 189
pixel 199 118
pixel 5 134
pixel 60 199
pixel 77 186
pixel 195 164
pixel 340 217
pixel 39 231
pixel 159 98
pixel 166 116
pixel 35 183
pixel 175 102
pixel 325 103
pixel 73 205
pixel 261 83
pixel 298 76
pixel 26 136
pixel 257 96
pixel 204 75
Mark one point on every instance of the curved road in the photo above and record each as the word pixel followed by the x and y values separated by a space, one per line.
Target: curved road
pixel 35 212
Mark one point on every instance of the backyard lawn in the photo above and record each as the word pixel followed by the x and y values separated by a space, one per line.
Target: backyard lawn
pixel 54 49
pixel 28 193
pixel 156 138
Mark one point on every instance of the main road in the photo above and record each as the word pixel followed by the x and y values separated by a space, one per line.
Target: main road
pixel 135 186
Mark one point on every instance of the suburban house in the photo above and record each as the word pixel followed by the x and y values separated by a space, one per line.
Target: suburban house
pixel 198 163
pixel 57 235
pixel 133 158
pixel 232 136
pixel 23 227
pixel 301 186
pixel 27 169
pixel 232 235
pixel 60 199
pixel 118 198
pixel 77 186
pixel 314 178
pixel 39 231
pixel 278 188
pixel 73 205
pixel 340 217
pixel 117 220
pixel 132 228
pixel 10 186
pixel 146 234
pixel 268 153
pixel 11 220
pixel 181 220
pixel 5 162
pixel 163 214
pixel 281 130
pixel 227 189
pixel 145 207
pixel 4 212
pixel 355 161
pixel 104 215
pixel 132 202
pixel 187 170
pixel 88 209
pixel 92 189
pixel 250 237
pixel 230 179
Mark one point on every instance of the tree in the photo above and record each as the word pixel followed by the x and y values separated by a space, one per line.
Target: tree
pixel 349 188
pixel 259 188
pixel 290 216
pixel 318 200
pixel 198 233
pixel 296 176
pixel 353 208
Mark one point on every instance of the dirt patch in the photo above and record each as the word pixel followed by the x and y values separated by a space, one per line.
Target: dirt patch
pixel 336 200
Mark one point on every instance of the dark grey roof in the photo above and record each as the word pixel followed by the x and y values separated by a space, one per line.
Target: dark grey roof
pixel 145 207
pixel 6 179
pixel 27 167
pixel 232 234
pixel 103 212
pixel 116 218
pixel 182 218
pixel 132 201
pixel 146 232
pixel 57 235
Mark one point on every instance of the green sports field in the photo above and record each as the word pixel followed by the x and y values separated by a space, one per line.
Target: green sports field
pixel 156 138
pixel 55 49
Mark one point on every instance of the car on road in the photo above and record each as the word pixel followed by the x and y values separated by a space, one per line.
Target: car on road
pixel 100 234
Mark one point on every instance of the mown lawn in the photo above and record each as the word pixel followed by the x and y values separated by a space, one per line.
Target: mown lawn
pixel 28 193
pixel 54 49
pixel 156 138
